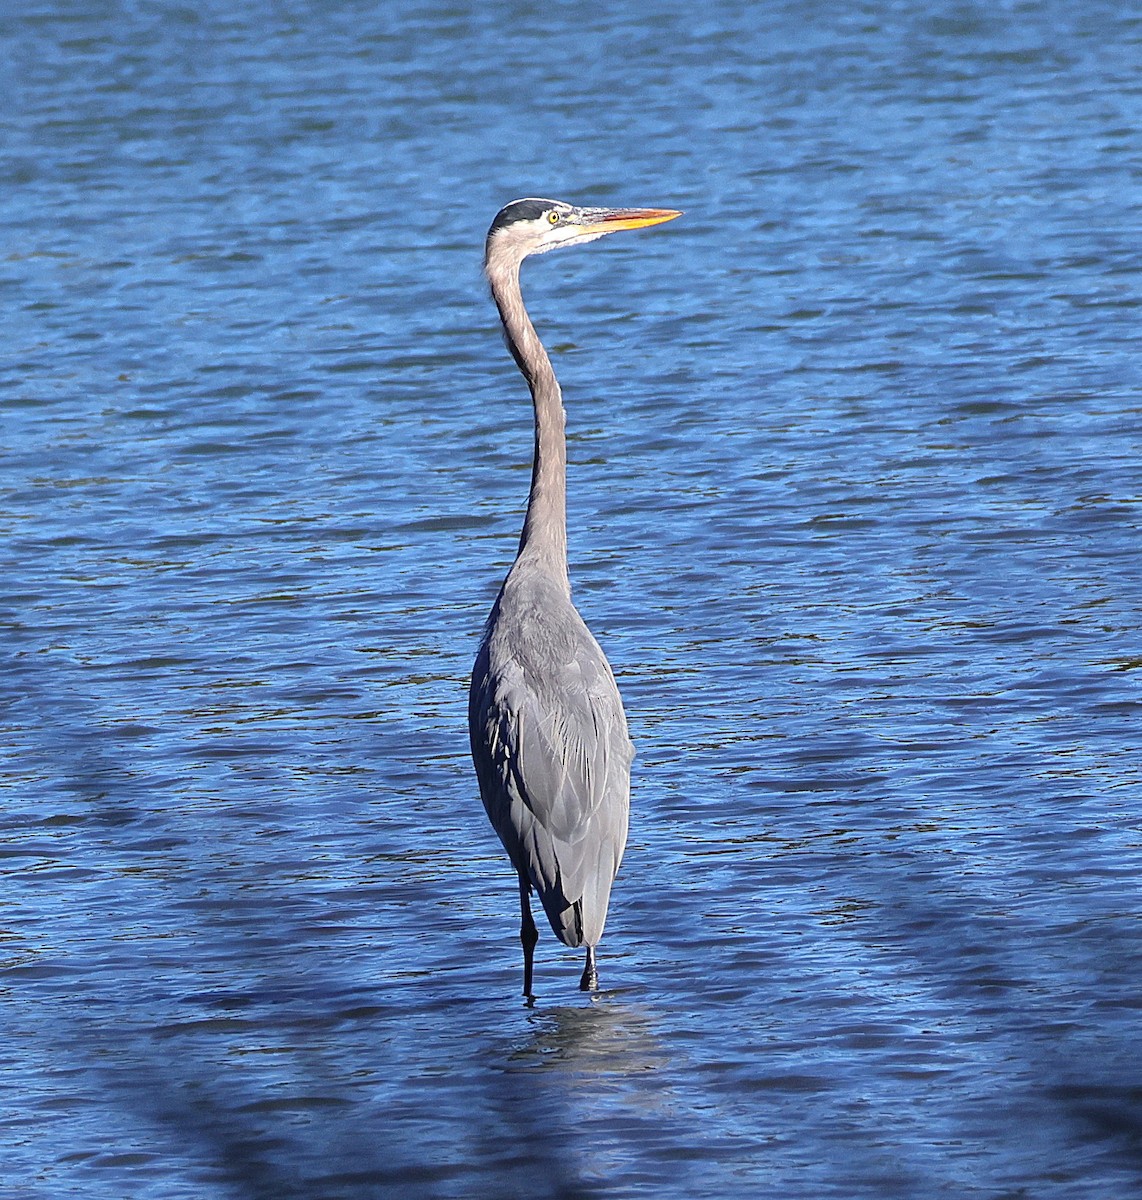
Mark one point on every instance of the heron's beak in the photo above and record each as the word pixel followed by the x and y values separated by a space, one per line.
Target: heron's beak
pixel 611 220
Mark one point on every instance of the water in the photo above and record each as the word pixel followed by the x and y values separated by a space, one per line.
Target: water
pixel 854 510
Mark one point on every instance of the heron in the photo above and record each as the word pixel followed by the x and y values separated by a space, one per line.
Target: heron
pixel 548 732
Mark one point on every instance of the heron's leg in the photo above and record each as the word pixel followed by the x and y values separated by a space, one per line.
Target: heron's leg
pixel 590 980
pixel 528 934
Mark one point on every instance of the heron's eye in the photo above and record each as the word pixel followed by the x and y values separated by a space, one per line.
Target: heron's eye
pixel 553 217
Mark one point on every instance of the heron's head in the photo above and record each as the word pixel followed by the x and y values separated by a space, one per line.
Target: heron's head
pixel 534 226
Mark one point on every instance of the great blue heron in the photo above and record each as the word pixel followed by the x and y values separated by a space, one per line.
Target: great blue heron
pixel 549 737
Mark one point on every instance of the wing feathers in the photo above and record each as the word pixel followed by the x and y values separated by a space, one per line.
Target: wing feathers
pixel 553 759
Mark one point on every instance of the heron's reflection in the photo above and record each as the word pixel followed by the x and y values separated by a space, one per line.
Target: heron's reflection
pixel 583 1074
pixel 607 1036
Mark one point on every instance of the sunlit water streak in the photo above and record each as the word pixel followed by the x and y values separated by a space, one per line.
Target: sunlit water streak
pixel 854 510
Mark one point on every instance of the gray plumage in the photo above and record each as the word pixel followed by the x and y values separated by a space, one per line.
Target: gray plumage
pixel 549 737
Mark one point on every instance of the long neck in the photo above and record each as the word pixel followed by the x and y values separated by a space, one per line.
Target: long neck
pixel 544 537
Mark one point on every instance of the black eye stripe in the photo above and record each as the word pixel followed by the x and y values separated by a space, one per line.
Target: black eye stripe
pixel 520 210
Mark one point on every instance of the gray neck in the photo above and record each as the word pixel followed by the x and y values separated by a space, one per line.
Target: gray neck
pixel 544 537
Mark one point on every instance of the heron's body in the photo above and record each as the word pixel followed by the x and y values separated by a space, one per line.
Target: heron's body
pixel 553 758
pixel 549 737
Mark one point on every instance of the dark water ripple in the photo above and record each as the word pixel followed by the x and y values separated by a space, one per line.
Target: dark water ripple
pixel 854 510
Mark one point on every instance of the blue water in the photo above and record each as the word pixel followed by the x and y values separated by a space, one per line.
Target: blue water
pixel 854 511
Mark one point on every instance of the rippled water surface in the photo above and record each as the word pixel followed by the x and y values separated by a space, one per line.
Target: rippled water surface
pixel 854 509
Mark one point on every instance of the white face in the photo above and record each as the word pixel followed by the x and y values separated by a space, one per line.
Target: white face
pixel 556 224
pixel 564 226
